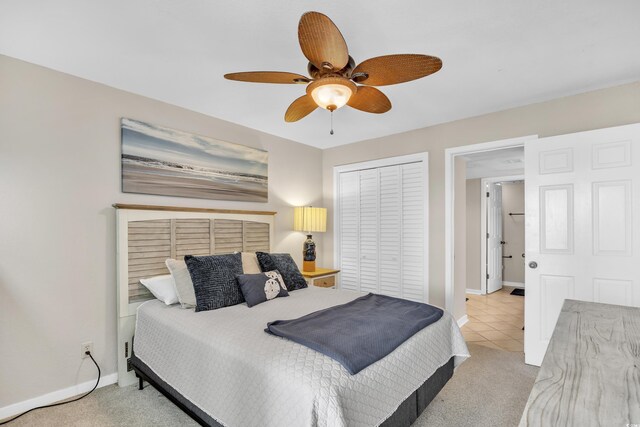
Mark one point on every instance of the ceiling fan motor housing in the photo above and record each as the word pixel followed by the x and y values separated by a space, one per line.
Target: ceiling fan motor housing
pixel 317 73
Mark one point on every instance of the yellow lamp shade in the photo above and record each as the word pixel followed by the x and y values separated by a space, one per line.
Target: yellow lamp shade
pixel 310 219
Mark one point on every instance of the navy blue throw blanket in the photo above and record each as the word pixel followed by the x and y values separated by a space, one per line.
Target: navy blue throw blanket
pixel 360 332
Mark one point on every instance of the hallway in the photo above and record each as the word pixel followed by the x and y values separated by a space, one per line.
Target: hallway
pixel 496 320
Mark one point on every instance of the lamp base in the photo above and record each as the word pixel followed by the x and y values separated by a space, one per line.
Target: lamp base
pixel 308 266
pixel 309 255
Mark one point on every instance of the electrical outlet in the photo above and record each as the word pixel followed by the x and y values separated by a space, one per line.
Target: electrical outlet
pixel 86 346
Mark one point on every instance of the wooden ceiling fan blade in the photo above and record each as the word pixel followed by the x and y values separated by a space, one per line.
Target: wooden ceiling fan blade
pixel 300 108
pixel 370 100
pixel 280 77
pixel 393 69
pixel 321 42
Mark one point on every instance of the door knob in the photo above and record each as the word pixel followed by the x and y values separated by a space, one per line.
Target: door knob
pixel 533 264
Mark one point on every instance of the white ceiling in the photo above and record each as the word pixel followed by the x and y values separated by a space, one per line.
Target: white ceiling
pixel 504 162
pixel 497 54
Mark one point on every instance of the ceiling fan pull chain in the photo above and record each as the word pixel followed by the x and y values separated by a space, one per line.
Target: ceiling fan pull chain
pixel 331 133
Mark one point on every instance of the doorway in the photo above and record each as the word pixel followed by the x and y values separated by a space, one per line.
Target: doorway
pixel 496 310
pixel 491 153
pixel 491 199
pixel 500 240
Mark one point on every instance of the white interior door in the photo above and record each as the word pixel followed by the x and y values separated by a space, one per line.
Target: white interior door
pixel 582 241
pixel 494 237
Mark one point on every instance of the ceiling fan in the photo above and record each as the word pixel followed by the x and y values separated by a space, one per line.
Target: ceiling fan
pixel 335 79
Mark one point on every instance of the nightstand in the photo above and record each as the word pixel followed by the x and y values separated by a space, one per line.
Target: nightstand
pixel 322 277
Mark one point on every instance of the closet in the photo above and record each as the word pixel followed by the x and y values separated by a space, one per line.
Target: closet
pixel 382 227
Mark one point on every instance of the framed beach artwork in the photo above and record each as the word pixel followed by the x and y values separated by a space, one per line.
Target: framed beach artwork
pixel 169 162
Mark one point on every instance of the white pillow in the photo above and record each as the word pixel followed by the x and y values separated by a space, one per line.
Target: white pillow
pixel 183 284
pixel 162 287
pixel 250 263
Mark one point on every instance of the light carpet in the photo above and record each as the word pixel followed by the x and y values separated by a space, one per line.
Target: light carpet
pixel 489 389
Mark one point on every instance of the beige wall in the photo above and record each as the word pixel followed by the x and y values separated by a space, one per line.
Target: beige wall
pixel 59 175
pixel 513 232
pixel 603 108
pixel 460 233
pixel 474 240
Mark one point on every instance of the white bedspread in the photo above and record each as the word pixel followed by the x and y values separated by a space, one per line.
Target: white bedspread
pixel 224 362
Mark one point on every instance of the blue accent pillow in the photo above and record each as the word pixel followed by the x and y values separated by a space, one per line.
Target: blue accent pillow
pixel 287 267
pixel 214 280
pixel 261 287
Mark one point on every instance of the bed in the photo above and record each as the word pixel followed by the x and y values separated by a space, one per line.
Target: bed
pixel 221 367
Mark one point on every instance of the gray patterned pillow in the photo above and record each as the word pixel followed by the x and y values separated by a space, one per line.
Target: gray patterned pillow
pixel 286 266
pixel 214 280
pixel 261 287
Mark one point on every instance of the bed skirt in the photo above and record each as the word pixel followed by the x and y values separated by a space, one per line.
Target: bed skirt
pixel 408 411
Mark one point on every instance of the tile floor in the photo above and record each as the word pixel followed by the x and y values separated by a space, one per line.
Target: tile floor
pixel 496 320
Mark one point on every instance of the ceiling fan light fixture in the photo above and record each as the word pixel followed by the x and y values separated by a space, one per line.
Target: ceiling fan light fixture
pixel 331 96
pixel 334 74
pixel 331 93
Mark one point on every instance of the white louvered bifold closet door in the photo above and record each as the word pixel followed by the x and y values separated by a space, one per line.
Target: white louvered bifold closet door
pixel 369 230
pixel 381 215
pixel 390 272
pixel 413 241
pixel 348 200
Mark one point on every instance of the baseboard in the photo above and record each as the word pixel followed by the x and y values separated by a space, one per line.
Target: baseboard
pixel 474 291
pixel 56 396
pixel 513 284
pixel 461 321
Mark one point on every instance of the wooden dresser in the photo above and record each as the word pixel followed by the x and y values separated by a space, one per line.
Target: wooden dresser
pixel 590 375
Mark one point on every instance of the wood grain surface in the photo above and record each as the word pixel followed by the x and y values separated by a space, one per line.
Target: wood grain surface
pixel 590 375
pixel 185 209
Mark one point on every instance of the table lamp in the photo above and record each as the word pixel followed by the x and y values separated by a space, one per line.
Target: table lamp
pixel 309 220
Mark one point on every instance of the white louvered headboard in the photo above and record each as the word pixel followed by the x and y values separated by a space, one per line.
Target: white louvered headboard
pixel 148 235
pixel 152 241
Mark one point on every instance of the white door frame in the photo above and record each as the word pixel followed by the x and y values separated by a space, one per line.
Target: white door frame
pixel 483 224
pixel 449 199
pixel 388 161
